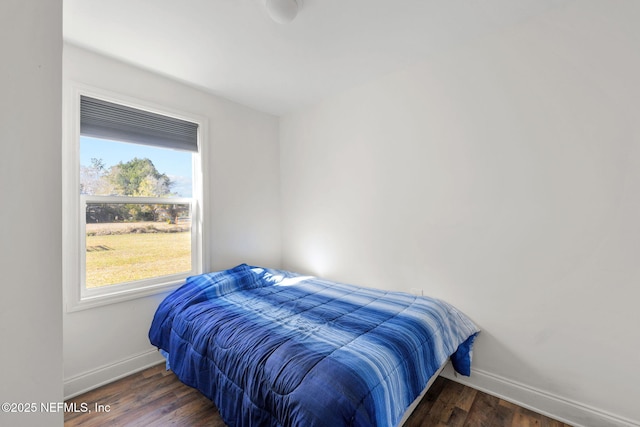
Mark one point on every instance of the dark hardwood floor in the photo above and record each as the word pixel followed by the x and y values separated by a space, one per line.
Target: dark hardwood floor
pixel 155 397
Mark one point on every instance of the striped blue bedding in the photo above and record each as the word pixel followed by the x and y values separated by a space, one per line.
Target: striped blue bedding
pixel 273 348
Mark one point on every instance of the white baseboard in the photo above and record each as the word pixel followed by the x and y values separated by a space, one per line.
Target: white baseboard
pixel 562 409
pixel 105 374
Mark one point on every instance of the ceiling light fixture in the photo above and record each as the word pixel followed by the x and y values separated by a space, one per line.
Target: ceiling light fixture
pixel 283 11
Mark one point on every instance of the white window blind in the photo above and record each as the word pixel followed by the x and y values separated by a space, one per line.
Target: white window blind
pixel 103 119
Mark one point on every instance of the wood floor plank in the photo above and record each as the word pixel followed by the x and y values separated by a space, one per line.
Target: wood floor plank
pixel 465 399
pixel 485 412
pixel 442 409
pixel 458 417
pixel 155 397
pixel 521 419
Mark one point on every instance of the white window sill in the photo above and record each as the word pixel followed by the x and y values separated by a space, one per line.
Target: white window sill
pixel 120 293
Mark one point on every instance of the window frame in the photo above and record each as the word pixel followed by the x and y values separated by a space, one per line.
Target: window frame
pixel 77 296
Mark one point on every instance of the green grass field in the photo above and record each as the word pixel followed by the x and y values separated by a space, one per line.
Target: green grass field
pixel 122 258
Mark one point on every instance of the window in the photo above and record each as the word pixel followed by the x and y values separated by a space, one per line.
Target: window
pixel 139 215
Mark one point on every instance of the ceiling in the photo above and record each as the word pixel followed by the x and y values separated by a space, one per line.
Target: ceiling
pixel 233 49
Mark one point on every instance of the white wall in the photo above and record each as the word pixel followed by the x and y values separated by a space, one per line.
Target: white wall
pixel 244 220
pixel 503 177
pixel 30 217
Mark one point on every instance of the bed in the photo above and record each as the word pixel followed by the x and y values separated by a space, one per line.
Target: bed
pixel 274 348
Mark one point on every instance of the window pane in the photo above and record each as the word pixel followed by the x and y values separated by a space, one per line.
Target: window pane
pixel 129 242
pixel 111 168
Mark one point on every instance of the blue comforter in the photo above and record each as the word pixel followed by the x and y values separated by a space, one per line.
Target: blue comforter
pixel 272 348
